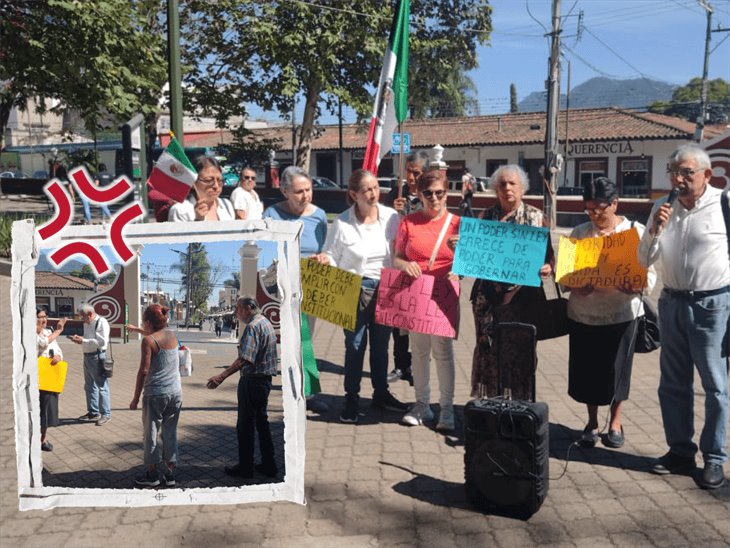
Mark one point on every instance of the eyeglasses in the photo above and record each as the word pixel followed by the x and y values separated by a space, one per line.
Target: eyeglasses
pixel 684 172
pixel 42 317
pixel 600 210
pixel 248 177
pixel 211 182
pixel 438 193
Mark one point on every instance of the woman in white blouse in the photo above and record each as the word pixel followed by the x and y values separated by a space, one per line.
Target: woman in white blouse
pixel 602 324
pixel 360 241
pixel 204 202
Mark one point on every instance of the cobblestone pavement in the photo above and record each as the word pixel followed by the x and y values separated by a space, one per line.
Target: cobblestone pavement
pixel 373 484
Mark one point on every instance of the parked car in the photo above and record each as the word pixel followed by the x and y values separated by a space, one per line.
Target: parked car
pixel 230 179
pixel 323 182
pixel 15 175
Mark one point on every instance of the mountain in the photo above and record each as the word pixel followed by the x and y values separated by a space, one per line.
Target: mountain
pixel 602 92
pixel 44 265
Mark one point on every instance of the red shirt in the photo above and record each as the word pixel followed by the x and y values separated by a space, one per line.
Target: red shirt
pixel 417 236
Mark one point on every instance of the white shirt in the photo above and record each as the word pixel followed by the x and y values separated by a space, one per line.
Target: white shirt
pixel 96 335
pixel 247 201
pixel 185 210
pixel 693 246
pixel 45 347
pixel 607 306
pixel 362 248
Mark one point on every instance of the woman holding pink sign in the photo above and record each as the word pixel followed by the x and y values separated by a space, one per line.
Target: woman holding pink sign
pixel 425 245
pixel 360 242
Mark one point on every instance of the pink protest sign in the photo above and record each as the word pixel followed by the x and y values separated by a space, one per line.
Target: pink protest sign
pixel 424 305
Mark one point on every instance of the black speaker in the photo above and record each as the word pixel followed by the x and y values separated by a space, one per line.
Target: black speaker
pixel 506 455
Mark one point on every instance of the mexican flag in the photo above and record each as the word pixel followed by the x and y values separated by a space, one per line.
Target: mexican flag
pixel 173 174
pixel 391 99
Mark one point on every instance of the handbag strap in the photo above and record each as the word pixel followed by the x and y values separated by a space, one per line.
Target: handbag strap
pixel 440 239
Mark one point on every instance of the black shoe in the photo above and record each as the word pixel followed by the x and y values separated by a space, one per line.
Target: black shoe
pixel 673 464
pixel 149 479
pixel 315 405
pixel 89 417
pixel 237 472
pixel 614 439
pixel 712 477
pixel 46 446
pixel 588 438
pixel 351 412
pixel 266 470
pixel 386 400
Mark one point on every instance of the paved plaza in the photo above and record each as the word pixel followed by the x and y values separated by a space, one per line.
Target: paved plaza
pixel 373 484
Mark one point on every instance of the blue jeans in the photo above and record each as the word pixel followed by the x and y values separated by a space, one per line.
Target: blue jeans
pixel 160 414
pixel 87 209
pixel 96 386
pixel 692 334
pixel 355 343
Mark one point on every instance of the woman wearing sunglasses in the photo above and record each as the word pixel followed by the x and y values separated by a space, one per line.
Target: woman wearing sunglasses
pixel 602 324
pixel 204 202
pixel 245 199
pixel 425 245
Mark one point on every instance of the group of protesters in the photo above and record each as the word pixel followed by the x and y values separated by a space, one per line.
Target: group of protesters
pixel 416 234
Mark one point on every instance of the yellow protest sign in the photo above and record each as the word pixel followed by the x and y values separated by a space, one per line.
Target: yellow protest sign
pixel 608 261
pixel 51 378
pixel 330 293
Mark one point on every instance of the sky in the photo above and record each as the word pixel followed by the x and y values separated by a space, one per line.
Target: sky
pixel 623 39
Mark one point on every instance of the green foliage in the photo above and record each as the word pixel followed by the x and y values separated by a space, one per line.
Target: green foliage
pixel 234 281
pixel 6 226
pixel 102 59
pixel 685 101
pixel 270 53
pixel 201 283
pixel 88 273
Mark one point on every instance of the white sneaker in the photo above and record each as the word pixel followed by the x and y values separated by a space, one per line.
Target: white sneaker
pixel 417 415
pixel 446 418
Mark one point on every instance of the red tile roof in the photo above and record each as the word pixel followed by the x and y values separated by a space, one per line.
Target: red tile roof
pixel 56 280
pixel 584 125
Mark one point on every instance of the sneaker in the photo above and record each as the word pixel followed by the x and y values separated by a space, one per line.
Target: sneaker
pixel 103 420
pixel 46 446
pixel 351 412
pixel 673 464
pixel 168 478
pixel 89 417
pixel 712 476
pixel 149 479
pixel 417 415
pixel 386 400
pixel 446 419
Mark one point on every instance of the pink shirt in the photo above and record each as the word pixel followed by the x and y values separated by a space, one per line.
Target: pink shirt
pixel 417 236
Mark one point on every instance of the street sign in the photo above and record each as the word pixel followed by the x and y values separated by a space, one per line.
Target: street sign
pixel 395 146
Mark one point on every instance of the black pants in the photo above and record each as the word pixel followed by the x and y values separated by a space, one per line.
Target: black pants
pixel 401 355
pixel 253 400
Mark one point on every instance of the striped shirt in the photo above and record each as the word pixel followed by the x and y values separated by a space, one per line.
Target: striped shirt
pixel 258 347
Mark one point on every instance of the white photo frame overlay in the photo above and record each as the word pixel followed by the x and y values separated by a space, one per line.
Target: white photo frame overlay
pixel 26 245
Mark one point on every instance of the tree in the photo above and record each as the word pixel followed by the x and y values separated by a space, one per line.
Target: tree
pixel 233 281
pixel 199 282
pixel 99 58
pixel 513 106
pixel 88 273
pixel 685 101
pixel 271 53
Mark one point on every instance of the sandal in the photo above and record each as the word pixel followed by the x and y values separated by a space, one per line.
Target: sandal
pixel 589 437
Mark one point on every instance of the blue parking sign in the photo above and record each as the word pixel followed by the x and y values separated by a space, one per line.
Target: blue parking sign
pixel 395 146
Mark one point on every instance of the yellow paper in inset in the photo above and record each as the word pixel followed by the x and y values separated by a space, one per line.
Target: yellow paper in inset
pixel 608 261
pixel 330 293
pixel 51 378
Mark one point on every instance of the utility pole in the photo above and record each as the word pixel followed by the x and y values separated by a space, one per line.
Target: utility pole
pixel 553 160
pixel 174 72
pixel 702 117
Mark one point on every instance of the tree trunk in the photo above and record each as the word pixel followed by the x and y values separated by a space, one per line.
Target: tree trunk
pixel 6 105
pixel 304 147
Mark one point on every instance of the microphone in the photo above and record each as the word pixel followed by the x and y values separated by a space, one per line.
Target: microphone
pixel 671 198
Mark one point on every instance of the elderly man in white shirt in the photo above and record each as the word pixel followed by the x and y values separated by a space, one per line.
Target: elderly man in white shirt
pixel 94 343
pixel 245 199
pixel 690 241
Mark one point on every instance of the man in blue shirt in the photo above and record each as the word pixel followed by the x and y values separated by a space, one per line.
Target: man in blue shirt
pixel 257 363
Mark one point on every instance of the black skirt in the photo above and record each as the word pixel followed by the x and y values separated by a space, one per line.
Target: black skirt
pixel 601 357
pixel 49 409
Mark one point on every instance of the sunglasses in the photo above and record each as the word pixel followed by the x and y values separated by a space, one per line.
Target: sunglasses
pixel 438 193
pixel 248 178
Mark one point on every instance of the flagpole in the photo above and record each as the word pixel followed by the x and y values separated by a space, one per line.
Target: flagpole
pixel 401 163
